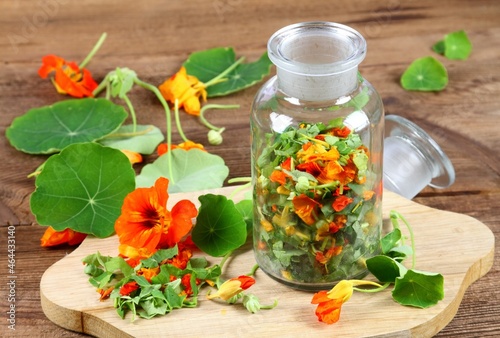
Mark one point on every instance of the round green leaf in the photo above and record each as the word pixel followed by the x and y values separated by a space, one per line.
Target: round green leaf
pixel 457 46
pixel 192 170
pixel 220 228
pixel 425 74
pixel 83 188
pixel 144 140
pixel 208 64
pixel 419 289
pixel 49 129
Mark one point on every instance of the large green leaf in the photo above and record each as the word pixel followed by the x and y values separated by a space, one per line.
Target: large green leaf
pixel 144 140
pixel 220 228
pixel 419 289
pixel 192 170
pixel 50 129
pixel 208 64
pixel 83 188
pixel 425 74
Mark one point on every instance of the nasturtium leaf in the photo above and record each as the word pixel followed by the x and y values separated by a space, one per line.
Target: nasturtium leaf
pixel 245 208
pixel 192 170
pixel 390 240
pixel 83 188
pixel 219 228
pixel 51 128
pixel 425 74
pixel 455 46
pixel 385 268
pixel 144 140
pixel 419 289
pixel 439 47
pixel 208 64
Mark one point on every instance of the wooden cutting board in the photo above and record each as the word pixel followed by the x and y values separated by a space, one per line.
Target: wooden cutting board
pixel 459 247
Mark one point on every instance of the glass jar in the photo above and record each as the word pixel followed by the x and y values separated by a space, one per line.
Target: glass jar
pixel 317 139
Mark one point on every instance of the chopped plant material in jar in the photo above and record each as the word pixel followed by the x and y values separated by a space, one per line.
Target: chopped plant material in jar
pixel 317 205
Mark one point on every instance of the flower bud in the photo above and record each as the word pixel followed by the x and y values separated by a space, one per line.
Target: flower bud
pixel 215 137
pixel 251 303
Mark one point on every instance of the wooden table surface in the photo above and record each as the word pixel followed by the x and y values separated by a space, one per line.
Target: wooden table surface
pixel 154 37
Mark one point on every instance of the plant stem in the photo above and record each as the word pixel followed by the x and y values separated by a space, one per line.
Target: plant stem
pixel 224 259
pixel 412 238
pixel 104 84
pixel 378 289
pixel 214 106
pixel 254 269
pixel 269 307
pixel 155 90
pixel 132 113
pixel 93 51
pixel 178 121
pixel 220 78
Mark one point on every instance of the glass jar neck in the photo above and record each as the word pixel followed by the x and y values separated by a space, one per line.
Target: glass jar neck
pixel 317 61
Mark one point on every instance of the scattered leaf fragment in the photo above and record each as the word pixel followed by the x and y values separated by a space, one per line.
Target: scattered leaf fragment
pixel 425 74
pixel 454 46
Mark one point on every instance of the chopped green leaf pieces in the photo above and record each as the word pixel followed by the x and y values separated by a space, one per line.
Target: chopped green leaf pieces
pixel 425 74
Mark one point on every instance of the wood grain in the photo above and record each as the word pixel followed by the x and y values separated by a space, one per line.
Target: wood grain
pixel 71 302
pixel 154 37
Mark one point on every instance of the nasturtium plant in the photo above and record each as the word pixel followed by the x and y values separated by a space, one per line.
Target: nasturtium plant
pixel 83 188
pixel 419 289
pixel 385 268
pixel 209 64
pixel 190 170
pixel 425 74
pixel 454 46
pixel 144 140
pixel 51 128
pixel 219 228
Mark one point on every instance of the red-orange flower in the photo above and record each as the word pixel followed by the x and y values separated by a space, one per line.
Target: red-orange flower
pixel 306 208
pixel 51 237
pixel 330 302
pixel 128 288
pixel 341 202
pixel 188 145
pixel 146 223
pixel 69 78
pixel 187 89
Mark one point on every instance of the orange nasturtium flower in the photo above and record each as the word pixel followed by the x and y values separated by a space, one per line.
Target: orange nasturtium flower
pixel 330 302
pixel 187 89
pixel 306 208
pixel 188 145
pixel 341 202
pixel 133 157
pixel 232 287
pixel 69 78
pixel 145 223
pixel 51 237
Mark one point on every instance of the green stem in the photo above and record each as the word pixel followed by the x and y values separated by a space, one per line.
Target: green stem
pixel 93 51
pixel 269 307
pixel 178 121
pixel 104 84
pixel 238 189
pixel 412 237
pixel 132 112
pixel 155 90
pixel 214 106
pixel 378 289
pixel 224 259
pixel 131 134
pixel 220 78
pixel 254 269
